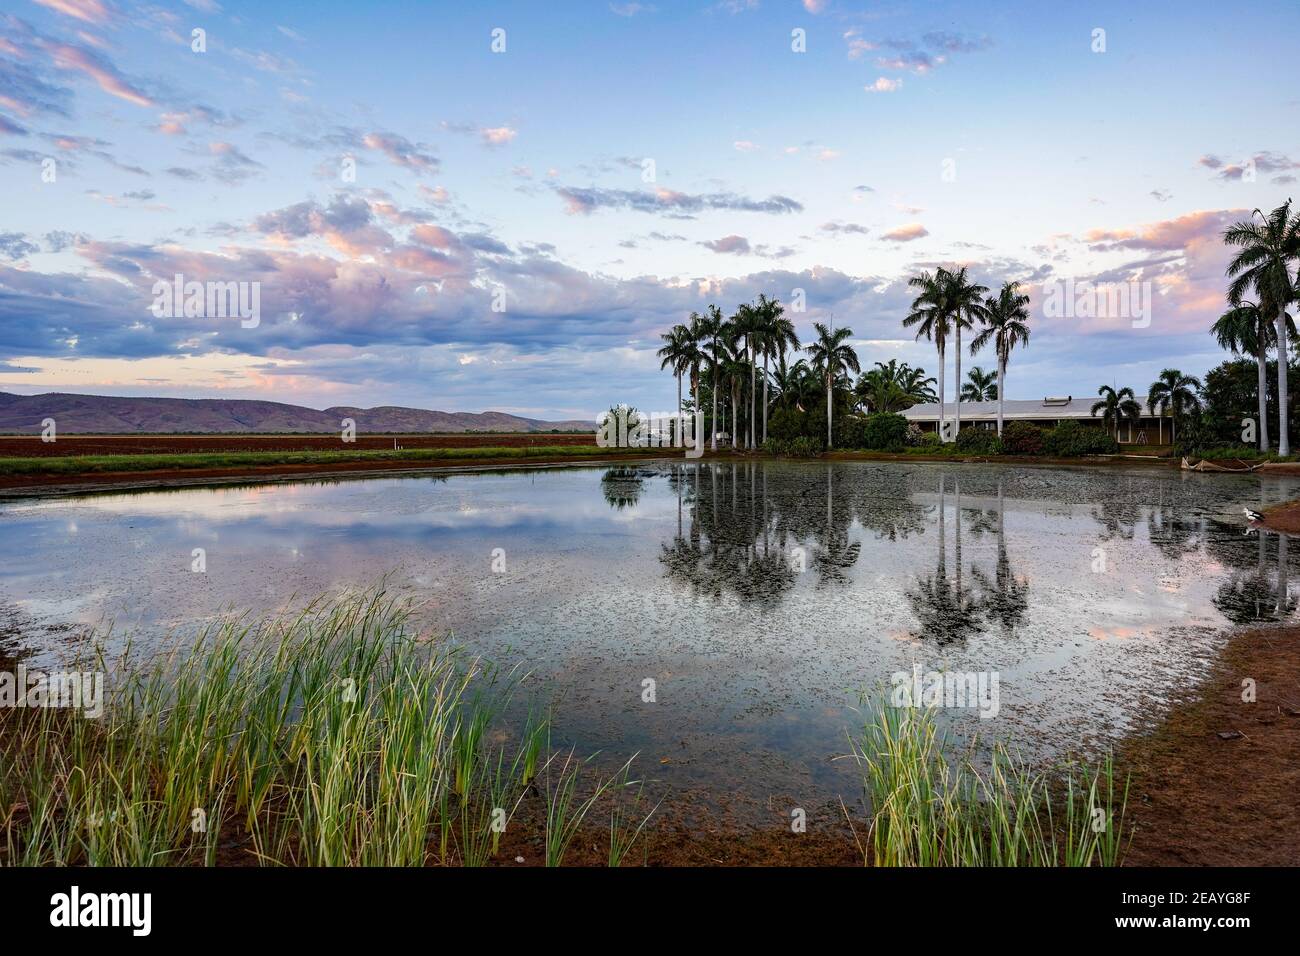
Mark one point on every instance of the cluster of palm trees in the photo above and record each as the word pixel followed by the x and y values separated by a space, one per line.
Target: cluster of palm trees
pixel 1269 250
pixel 724 355
pixel 948 302
pixel 728 352
pixel 1173 395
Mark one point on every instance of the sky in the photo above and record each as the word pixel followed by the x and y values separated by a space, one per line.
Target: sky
pixel 503 205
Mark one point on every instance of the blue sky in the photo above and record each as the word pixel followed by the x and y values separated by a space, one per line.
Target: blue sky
pixel 525 171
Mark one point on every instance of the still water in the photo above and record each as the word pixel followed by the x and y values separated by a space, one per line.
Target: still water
pixel 761 598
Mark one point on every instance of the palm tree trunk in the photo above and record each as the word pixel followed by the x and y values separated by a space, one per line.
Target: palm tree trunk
pixel 679 407
pixel 695 411
pixel 765 398
pixel 1002 388
pixel 829 379
pixel 753 390
pixel 1262 361
pixel 713 426
pixel 957 430
pixel 1283 435
pixel 735 413
pixel 943 374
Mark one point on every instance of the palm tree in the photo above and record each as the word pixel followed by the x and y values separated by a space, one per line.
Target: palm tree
pixel 1268 248
pixel 1174 393
pixel 734 371
pixel 778 335
pixel 674 354
pixel 1245 330
pixel 1006 325
pixel 832 357
pixel 749 323
pixel 711 326
pixel 980 386
pixel 965 303
pixel 796 385
pixel 1116 405
pixel 694 354
pixel 917 387
pixel 931 321
pixel 891 387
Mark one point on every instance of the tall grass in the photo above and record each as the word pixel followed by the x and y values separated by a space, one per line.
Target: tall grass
pixel 333 737
pixel 931 808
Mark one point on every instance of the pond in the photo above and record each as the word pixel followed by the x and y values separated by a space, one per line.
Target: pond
pixel 760 598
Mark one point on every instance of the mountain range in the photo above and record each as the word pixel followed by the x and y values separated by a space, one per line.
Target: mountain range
pixel 107 414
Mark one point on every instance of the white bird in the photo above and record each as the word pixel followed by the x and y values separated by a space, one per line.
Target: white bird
pixel 1253 515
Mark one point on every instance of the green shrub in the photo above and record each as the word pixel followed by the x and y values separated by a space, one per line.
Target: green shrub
pixel 930 440
pixel 1071 439
pixel 804 446
pixel 979 441
pixel 851 432
pixel 884 431
pixel 1022 438
pixel 787 424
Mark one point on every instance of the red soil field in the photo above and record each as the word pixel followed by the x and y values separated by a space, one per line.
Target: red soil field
pixel 31 446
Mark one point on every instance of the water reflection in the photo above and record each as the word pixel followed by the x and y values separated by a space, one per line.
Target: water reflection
pixel 1261 594
pixel 761 595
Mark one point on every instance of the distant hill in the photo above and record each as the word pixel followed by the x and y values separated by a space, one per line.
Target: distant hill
pixel 107 414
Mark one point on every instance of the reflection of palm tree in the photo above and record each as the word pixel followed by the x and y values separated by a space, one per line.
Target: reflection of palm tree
pixel 1249 597
pixel 622 487
pixel 1006 597
pixel 944 607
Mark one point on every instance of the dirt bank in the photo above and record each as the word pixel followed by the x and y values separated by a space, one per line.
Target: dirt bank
pixel 1284 518
pixel 1198 799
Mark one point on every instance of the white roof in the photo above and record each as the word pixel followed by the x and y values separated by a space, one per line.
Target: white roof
pixel 1063 407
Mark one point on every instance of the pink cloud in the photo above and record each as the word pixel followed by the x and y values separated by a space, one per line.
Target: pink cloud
pixel 906 233
pixel 89 11
pixel 66 56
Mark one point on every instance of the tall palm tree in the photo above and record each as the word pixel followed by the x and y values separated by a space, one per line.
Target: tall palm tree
pixel 1245 330
pixel 695 354
pixel 965 302
pixel 1174 393
pixel 930 318
pixel 712 328
pixel 1268 249
pixel 779 335
pixel 1115 406
pixel 749 323
pixel 980 386
pixel 1006 325
pixel 734 370
pixel 832 357
pixel 673 354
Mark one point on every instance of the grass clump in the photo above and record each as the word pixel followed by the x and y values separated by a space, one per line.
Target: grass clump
pixel 929 808
pixel 332 737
